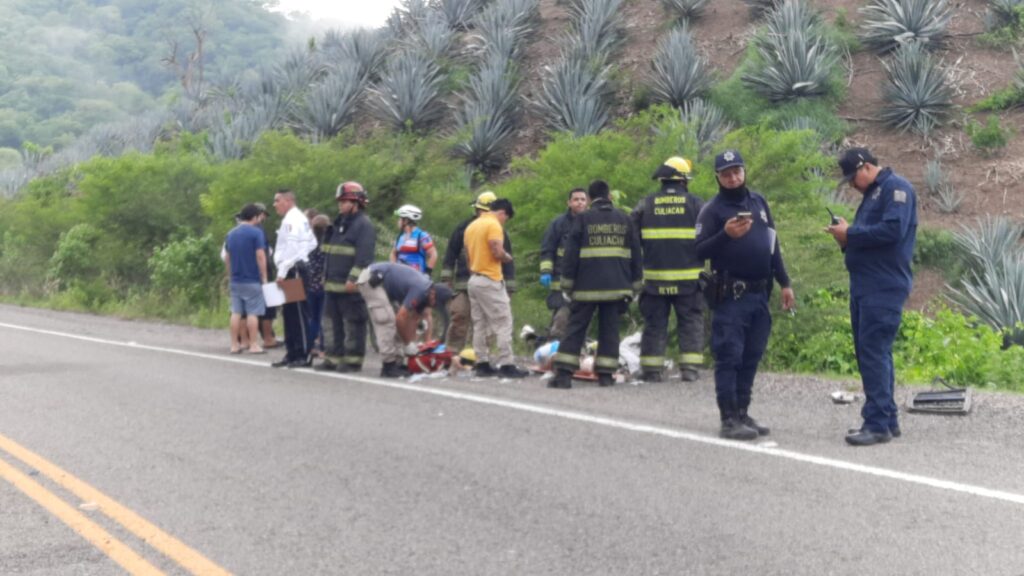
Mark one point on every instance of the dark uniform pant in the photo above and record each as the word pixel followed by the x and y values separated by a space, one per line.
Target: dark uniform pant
pixel 344 325
pixel 739 335
pixel 580 314
pixel 876 320
pixel 559 315
pixel 656 309
pixel 296 337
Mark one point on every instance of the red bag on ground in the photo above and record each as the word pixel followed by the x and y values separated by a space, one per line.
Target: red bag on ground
pixel 429 360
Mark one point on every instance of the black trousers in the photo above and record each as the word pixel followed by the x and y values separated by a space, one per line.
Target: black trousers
pixel 297 341
pixel 657 310
pixel 345 320
pixel 580 314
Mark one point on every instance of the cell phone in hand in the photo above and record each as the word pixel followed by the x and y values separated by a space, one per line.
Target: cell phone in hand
pixel 744 215
pixel 835 219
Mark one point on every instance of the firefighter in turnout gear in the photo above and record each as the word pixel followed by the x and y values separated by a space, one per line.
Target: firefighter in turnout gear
pixel 667 223
pixel 552 249
pixel 455 273
pixel 601 271
pixel 349 247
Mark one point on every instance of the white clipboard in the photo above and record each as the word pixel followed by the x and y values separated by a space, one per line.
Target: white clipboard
pixel 273 295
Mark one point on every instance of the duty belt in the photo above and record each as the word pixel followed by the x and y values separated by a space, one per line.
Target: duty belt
pixel 737 288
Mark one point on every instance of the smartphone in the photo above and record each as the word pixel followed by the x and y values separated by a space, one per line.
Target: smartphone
pixel 744 215
pixel 835 219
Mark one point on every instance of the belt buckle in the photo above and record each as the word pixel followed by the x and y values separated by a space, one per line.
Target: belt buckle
pixel 739 288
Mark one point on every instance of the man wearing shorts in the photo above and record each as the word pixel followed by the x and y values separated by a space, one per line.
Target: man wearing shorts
pixel 246 262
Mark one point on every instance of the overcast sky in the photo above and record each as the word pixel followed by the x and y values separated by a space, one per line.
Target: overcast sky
pixel 369 13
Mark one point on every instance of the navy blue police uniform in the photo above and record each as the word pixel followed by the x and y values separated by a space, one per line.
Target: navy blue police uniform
pixel 741 322
pixel 879 248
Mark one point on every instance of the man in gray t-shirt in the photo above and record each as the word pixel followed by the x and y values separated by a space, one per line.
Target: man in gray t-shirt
pixel 414 294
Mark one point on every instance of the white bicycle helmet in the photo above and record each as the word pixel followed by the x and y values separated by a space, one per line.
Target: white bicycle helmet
pixel 409 211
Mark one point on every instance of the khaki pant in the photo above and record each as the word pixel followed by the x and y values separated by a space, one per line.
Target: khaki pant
pixel 458 322
pixel 492 315
pixel 382 315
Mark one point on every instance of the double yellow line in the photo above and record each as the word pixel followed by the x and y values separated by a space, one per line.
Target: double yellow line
pixel 131 561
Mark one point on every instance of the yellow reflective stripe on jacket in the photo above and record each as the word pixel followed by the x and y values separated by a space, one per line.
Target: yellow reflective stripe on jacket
pixel 692 358
pixel 355 272
pixel 546 266
pixel 605 252
pixel 668 233
pixel 556 286
pixel 600 295
pixel 341 249
pixel 560 252
pixel 334 286
pixel 670 275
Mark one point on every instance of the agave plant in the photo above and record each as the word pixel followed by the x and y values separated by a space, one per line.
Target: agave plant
pixel 459 13
pixel 989 240
pixel 685 10
pixel 1003 13
pixel 365 48
pixel 798 57
pixel 409 94
pixel 707 123
pixel 889 24
pixel 505 27
pixel 995 294
pixel 597 30
pixel 434 36
pixel 916 95
pixel 487 118
pixel 330 105
pixel 945 196
pixel 575 95
pixel 680 73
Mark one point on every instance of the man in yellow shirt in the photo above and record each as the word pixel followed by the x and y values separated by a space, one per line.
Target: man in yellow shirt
pixel 489 303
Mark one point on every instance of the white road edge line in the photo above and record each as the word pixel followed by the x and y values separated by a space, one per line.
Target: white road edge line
pixel 583 417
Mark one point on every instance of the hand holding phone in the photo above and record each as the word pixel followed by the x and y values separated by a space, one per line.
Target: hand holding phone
pixel 745 215
pixel 835 219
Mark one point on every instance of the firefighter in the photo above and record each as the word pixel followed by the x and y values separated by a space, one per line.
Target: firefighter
pixel 455 273
pixel 552 248
pixel 666 221
pixel 349 247
pixel 601 271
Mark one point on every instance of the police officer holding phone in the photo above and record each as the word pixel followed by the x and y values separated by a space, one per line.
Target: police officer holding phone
pixel 735 231
pixel 878 246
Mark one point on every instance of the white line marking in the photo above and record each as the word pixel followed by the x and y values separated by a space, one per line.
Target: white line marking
pixel 584 417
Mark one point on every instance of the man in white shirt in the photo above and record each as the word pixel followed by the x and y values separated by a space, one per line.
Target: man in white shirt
pixel 295 240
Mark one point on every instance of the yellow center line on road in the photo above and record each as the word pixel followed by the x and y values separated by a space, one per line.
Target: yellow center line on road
pixel 94 533
pixel 168 545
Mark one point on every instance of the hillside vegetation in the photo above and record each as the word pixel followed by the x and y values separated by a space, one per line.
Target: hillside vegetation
pixel 531 98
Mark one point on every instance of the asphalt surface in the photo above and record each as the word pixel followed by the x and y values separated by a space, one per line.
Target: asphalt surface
pixel 266 471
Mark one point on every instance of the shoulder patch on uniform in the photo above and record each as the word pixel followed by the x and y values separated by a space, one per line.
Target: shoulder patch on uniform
pixel 697 229
pixel 899 196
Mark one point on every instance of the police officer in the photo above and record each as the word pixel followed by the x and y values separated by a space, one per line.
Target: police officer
pixel 666 220
pixel 736 232
pixel 455 273
pixel 601 271
pixel 879 246
pixel 552 248
pixel 349 248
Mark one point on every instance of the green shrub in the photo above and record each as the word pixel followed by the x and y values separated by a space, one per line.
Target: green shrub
pixel 937 249
pixel 1006 99
pixel 188 266
pixel 989 139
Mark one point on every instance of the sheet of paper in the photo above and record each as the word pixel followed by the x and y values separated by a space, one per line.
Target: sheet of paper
pixel 272 294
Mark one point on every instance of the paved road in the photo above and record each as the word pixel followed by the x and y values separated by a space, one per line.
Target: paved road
pixel 211 462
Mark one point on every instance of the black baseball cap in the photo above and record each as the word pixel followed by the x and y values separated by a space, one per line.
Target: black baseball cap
pixel 852 159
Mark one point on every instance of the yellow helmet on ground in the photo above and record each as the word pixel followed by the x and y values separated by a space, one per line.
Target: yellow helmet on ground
pixel 484 200
pixel 675 168
pixel 467 356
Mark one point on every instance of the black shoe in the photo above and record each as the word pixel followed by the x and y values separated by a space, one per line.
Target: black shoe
pixel 605 380
pixel 302 363
pixel 895 432
pixel 865 437
pixel 751 423
pixel 562 379
pixel 484 370
pixel 283 362
pixel 326 366
pixel 688 374
pixel 512 371
pixel 733 429
pixel 651 377
pixel 349 368
pixel 391 370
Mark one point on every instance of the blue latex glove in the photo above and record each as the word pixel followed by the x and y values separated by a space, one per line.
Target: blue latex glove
pixel 545 280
